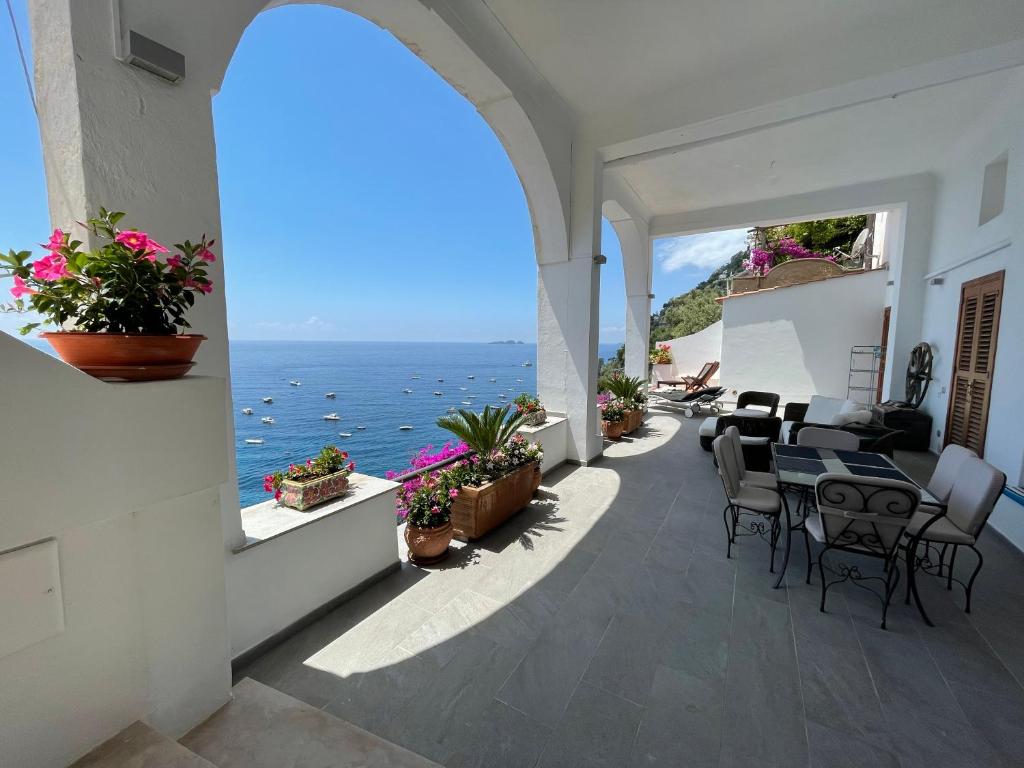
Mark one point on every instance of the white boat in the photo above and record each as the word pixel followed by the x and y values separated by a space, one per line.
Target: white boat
pixel 405 427
pixel 466 402
pixel 441 380
pixel 361 427
pixel 527 364
pixel 502 397
pixel 407 391
pixel 295 383
pixel 345 434
pixel 267 419
pixel 332 417
pixel 253 441
pixel 463 389
pixel 492 380
pixel 330 395
pixel 520 381
pixel 247 411
pixel 415 376
pixel 439 393
pixel 471 376
pixel 268 399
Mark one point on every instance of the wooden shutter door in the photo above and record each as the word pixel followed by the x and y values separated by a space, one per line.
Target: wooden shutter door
pixel 971 385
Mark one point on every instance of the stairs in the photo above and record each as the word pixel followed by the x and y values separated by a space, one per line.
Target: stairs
pixel 259 728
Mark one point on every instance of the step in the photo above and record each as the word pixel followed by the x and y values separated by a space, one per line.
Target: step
pixel 264 728
pixel 139 746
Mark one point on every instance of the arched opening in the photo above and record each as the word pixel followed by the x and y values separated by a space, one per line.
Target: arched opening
pixel 363 200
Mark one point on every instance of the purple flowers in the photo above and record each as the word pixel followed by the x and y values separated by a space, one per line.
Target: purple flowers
pixel 764 259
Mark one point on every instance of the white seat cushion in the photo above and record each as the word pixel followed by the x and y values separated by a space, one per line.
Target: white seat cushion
pixel 758 499
pixel 760 480
pixel 707 427
pixel 942 530
pixel 751 413
pixel 821 409
pixel 751 440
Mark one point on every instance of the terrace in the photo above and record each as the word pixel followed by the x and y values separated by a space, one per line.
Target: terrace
pixel 604 626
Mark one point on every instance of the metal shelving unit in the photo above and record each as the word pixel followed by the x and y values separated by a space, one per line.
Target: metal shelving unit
pixel 862 384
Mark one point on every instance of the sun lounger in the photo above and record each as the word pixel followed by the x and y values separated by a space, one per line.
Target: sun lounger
pixel 691 402
pixel 691 383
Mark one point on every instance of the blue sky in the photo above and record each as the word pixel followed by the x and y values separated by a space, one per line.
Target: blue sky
pixel 362 197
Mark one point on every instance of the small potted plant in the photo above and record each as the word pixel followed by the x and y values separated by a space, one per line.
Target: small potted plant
pixel 661 360
pixel 613 419
pixel 629 391
pixel 502 476
pixel 320 479
pixel 530 408
pixel 425 504
pixel 125 300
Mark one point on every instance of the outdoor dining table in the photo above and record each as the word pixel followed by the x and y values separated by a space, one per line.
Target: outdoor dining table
pixel 797 468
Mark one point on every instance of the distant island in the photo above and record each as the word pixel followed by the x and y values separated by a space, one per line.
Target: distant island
pixel 509 341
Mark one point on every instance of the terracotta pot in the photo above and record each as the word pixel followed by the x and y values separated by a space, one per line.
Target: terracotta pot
pixel 305 494
pixel 428 545
pixel 126 356
pixel 613 429
pixel 480 509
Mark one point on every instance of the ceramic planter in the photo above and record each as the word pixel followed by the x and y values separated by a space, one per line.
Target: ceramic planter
pixel 428 545
pixel 535 418
pixel 664 370
pixel 480 509
pixel 308 493
pixel 633 421
pixel 613 429
pixel 126 356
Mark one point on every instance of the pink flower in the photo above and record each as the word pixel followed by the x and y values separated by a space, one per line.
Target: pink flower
pixel 453 493
pixel 56 240
pixel 50 268
pixel 136 241
pixel 174 261
pixel 277 495
pixel 206 287
pixel 351 466
pixel 207 255
pixel 435 510
pixel 20 288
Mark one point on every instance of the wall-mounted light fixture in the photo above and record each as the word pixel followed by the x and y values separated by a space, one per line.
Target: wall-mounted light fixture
pixel 650 295
pixel 599 259
pixel 155 58
pixel 937 281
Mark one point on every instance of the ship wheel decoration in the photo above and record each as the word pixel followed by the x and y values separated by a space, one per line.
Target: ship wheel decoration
pixel 919 374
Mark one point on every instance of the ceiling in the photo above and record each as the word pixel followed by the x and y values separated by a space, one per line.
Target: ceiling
pixel 602 55
pixel 893 137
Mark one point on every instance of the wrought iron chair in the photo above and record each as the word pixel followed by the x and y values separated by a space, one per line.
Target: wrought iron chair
pixel 864 516
pixel 970 501
pixel 746 500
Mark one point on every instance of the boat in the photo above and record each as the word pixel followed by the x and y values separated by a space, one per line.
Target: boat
pixel 441 380
pixel 267 419
pixel 405 428
pixel 361 427
pixel 438 393
pixel 519 380
pixel 466 402
pixel 451 410
pixel 463 389
pixel 471 376
pixel 268 399
pixel 247 411
pixel 295 383
pixel 527 364
pixel 332 417
pixel 492 380
pixel 253 441
pixel 415 376
pixel 502 396
pixel 345 434
pixel 330 395
pixel 407 391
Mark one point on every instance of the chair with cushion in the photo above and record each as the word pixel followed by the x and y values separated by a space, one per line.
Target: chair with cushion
pixel 971 499
pixel 822 411
pixel 951 459
pixel 756 436
pixel 747 476
pixel 835 439
pixel 755 404
pixel 746 501
pixel 864 516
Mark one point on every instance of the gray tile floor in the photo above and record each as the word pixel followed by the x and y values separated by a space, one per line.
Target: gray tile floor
pixel 604 626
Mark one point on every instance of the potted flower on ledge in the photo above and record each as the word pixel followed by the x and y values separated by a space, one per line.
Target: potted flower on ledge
pixel 425 504
pixel 320 479
pixel 500 479
pixel 125 301
pixel 532 411
pixel 613 418
pixel 661 360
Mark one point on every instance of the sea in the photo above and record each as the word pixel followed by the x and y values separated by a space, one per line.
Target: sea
pixel 368 380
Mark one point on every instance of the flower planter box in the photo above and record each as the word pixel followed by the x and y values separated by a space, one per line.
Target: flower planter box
pixel 302 496
pixel 612 429
pixel 535 418
pixel 633 421
pixel 478 510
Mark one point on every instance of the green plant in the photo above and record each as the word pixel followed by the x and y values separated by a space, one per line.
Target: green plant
pixel 329 461
pixel 613 411
pixel 527 403
pixel 120 287
pixel 483 432
pixel 628 389
pixel 426 500
pixel 662 355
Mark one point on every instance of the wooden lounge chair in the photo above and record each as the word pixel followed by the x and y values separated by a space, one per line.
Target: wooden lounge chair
pixel 691 383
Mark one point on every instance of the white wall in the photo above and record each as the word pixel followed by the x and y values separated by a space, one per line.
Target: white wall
pixel 113 472
pixel 958 236
pixel 796 341
pixel 689 353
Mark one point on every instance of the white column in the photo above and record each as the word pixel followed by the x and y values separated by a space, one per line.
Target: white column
pixel 638 335
pixel 567 314
pixel 634 239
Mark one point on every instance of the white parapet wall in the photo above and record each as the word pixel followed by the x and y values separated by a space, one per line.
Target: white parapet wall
pixel 124 478
pixel 689 353
pixel 294 563
pixel 553 435
pixel 796 341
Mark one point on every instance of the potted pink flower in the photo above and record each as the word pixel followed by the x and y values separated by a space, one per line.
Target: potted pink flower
pixel 661 361
pixel 321 478
pixel 125 301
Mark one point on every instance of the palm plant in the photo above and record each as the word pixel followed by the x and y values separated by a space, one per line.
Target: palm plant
pixel 483 432
pixel 624 388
